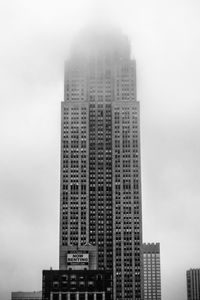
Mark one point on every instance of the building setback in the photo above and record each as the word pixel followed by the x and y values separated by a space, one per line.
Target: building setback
pixel 193 284
pixel 100 199
pixel 152 278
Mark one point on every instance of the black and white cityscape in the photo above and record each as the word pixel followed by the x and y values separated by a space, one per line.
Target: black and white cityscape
pixel 101 253
pixel 100 151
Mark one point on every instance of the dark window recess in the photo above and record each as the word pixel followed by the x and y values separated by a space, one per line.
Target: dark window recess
pixel 72 296
pixel 63 296
pixel 81 296
pixel 55 296
pixel 99 296
pixel 90 296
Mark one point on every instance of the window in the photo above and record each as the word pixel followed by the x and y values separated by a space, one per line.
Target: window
pixel 90 296
pixel 99 297
pixel 81 296
pixel 63 296
pixel 72 296
pixel 56 296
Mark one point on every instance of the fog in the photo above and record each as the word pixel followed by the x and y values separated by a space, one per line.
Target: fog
pixel 35 41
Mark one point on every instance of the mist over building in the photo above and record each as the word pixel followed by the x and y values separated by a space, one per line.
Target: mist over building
pixel 35 36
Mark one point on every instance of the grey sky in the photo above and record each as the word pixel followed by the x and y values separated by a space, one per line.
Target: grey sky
pixel 35 37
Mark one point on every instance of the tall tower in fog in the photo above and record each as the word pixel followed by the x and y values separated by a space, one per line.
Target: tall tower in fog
pixel 100 206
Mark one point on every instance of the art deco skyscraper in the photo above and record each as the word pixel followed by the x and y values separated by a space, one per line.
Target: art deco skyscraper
pixel 100 160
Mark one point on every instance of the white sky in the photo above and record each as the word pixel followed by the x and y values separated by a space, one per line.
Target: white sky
pixel 35 37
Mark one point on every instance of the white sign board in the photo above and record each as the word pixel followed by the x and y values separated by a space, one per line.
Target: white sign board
pixel 77 258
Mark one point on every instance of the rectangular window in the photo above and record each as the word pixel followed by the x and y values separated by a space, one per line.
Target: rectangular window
pixel 56 296
pixel 81 296
pixel 72 296
pixel 90 296
pixel 63 296
pixel 99 296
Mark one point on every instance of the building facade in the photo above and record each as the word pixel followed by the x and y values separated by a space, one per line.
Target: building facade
pixel 26 295
pixel 100 200
pixel 193 284
pixel 77 285
pixel 152 277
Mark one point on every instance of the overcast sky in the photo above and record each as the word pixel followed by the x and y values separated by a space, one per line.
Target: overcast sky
pixel 35 38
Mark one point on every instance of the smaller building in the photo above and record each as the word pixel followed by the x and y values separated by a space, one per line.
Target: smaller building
pixel 193 284
pixel 152 278
pixel 26 295
pixel 77 285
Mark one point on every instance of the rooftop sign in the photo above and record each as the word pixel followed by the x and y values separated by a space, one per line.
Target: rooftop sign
pixel 77 258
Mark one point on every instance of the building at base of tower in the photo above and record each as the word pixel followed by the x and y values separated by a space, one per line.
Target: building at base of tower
pixel 80 280
pixel 26 295
pixel 77 285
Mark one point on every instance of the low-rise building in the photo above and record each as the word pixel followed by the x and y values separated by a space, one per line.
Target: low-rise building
pixel 77 285
pixel 26 295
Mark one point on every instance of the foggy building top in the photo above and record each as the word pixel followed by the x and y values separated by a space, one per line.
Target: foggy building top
pixel 100 69
pixel 100 42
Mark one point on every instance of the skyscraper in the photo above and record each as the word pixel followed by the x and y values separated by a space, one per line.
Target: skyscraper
pixel 193 284
pixel 100 206
pixel 152 278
